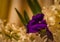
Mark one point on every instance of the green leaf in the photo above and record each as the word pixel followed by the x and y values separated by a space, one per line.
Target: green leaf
pixel 20 16
pixel 31 5
pixel 26 17
pixel 38 7
pixel 42 32
pixel 35 7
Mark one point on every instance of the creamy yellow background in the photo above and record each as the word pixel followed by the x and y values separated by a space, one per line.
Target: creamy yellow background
pixel 7 9
pixel 4 8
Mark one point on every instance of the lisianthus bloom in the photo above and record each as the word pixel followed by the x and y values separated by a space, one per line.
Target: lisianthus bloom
pixel 37 24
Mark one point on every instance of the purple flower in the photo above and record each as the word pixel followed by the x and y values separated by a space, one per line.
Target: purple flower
pixel 33 27
pixel 36 24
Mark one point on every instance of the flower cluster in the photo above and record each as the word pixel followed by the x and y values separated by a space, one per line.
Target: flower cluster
pixel 12 33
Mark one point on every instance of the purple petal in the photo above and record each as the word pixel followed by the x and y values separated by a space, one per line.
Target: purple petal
pixel 43 22
pixel 39 26
pixel 36 27
pixel 32 22
pixel 38 17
